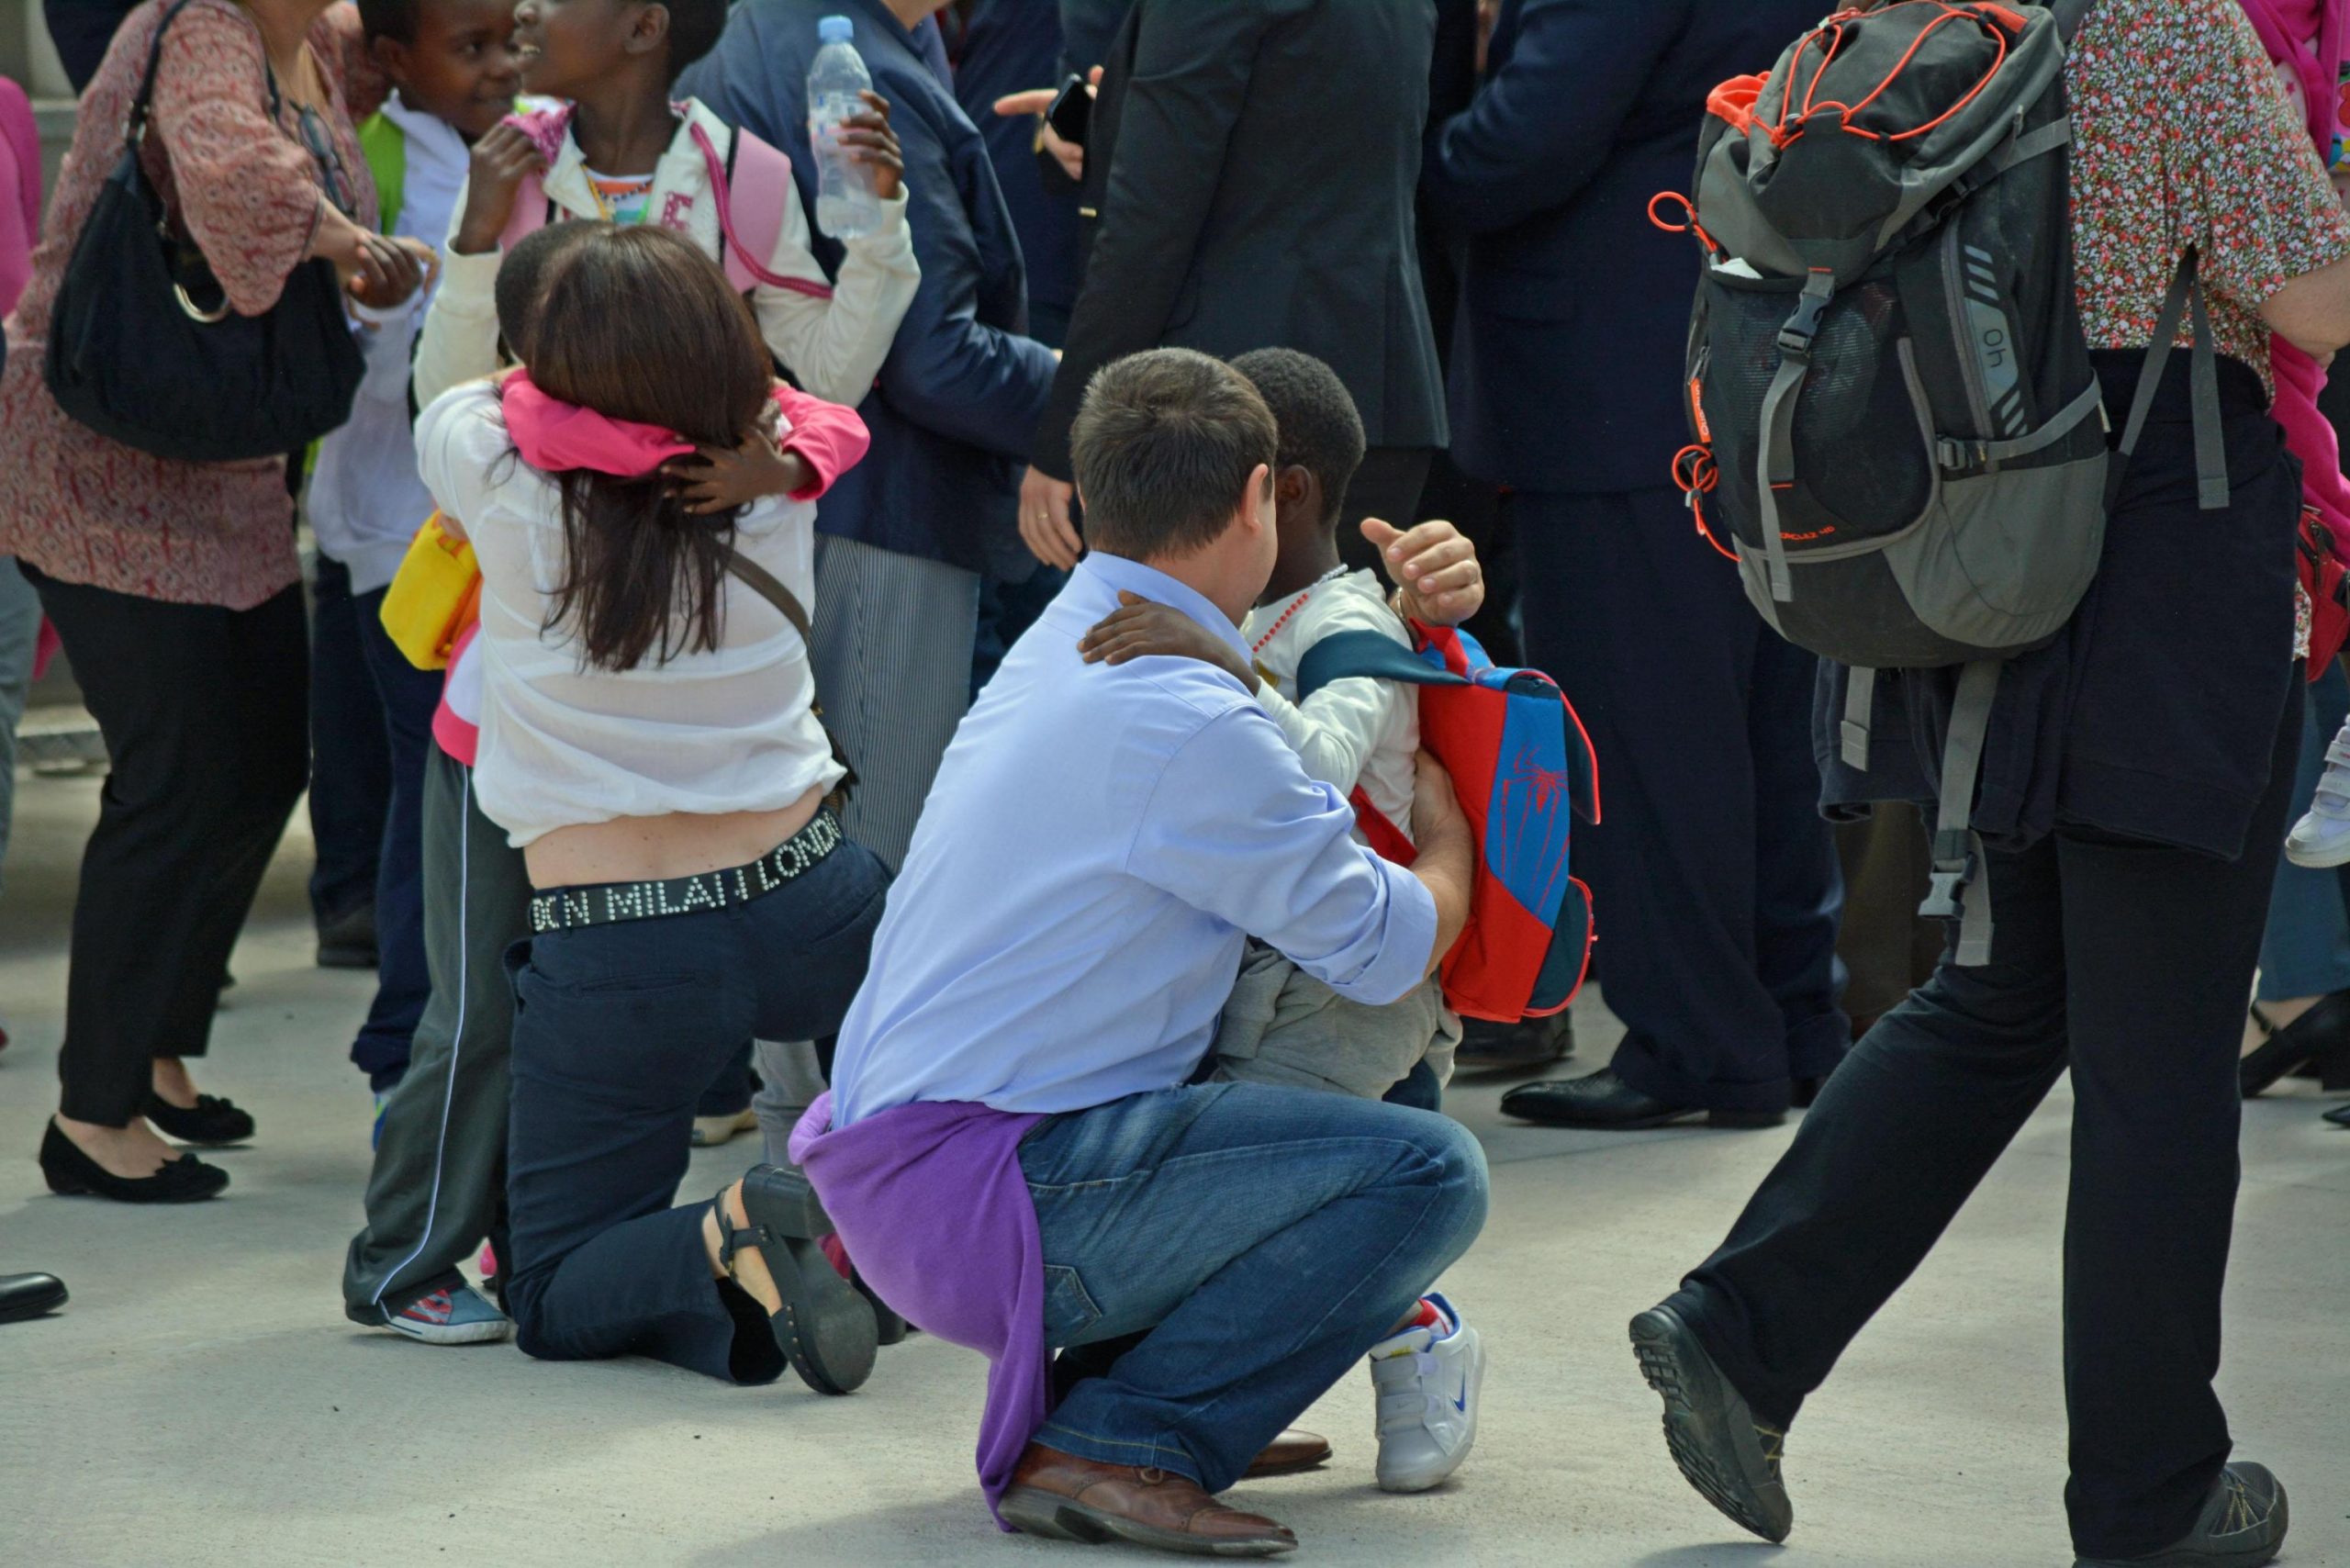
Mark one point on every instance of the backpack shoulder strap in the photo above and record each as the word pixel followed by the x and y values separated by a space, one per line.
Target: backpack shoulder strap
pixel 750 185
pixel 531 211
pixel 1346 655
pixel 2070 14
pixel 2183 299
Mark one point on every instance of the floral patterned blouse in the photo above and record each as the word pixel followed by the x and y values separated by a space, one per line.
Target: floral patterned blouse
pixel 2184 137
pixel 84 509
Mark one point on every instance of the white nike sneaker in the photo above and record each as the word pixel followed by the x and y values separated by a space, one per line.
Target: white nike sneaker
pixel 2321 838
pixel 1427 1379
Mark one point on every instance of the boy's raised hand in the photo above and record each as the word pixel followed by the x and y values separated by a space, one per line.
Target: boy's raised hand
pixel 501 161
pixel 870 142
pixel 719 478
pixel 1435 568
pixel 1139 629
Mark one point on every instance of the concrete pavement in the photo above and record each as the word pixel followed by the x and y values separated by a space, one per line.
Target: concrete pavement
pixel 202 1400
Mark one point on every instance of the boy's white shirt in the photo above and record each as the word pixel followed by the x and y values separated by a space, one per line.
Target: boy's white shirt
pixel 833 348
pixel 1354 732
pixel 365 501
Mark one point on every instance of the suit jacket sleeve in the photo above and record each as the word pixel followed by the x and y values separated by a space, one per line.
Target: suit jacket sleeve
pixel 1191 74
pixel 1548 120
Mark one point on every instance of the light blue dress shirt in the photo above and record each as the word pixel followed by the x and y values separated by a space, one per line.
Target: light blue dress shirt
pixel 1099 844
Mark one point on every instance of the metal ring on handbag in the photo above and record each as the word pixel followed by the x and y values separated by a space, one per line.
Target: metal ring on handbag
pixel 194 311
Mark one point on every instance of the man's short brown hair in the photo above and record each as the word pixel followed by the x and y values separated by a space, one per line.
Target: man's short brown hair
pixel 1163 447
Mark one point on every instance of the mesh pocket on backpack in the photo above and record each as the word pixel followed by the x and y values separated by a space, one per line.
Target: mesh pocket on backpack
pixel 1864 462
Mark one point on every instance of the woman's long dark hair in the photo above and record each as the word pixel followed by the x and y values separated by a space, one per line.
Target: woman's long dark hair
pixel 637 324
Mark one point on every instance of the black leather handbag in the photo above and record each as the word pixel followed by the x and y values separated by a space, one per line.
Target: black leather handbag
pixel 145 350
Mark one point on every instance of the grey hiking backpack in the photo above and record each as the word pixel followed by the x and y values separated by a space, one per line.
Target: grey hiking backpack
pixel 1891 405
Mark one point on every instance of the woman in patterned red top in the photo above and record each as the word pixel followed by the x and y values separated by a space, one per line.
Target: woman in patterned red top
pixel 175 584
pixel 2133 800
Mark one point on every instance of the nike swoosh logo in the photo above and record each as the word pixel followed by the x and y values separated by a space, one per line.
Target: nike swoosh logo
pixel 1461 1403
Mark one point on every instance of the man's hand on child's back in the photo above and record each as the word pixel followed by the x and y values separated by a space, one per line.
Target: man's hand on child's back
pixel 1440 582
pixel 501 161
pixel 1141 630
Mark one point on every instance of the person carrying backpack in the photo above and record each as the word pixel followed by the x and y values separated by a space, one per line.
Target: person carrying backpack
pixel 2085 656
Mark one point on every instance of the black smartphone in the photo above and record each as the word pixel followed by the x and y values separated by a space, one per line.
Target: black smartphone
pixel 1072 112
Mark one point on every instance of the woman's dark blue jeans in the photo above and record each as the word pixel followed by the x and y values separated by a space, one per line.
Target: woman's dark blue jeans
pixel 618 1029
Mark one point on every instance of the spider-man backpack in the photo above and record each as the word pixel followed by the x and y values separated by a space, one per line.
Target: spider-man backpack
pixel 1522 768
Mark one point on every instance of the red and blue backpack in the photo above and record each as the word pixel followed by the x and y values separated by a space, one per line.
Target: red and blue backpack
pixel 1522 765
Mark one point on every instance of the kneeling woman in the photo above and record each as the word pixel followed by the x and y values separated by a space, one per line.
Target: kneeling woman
pixel 649 740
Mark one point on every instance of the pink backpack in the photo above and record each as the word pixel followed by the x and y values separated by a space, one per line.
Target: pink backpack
pixel 750 185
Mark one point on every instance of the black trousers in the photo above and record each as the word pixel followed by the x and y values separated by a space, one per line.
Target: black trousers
pixel 2128 962
pixel 204 714
pixel 1713 879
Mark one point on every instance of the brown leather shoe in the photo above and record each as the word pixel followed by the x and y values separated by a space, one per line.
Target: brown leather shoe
pixel 1061 1497
pixel 1291 1454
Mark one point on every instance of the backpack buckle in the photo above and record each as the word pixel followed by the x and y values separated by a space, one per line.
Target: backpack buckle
pixel 1794 338
pixel 1956 456
pixel 1943 887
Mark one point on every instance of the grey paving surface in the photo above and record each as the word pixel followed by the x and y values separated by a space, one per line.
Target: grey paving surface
pixel 202 1400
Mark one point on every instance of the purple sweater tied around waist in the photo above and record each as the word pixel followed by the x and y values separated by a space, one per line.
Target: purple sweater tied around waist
pixel 931 1203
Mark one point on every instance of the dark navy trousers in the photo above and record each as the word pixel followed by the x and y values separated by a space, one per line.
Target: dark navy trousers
pixel 1713 876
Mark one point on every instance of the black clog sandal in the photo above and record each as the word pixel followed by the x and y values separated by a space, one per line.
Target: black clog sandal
pixel 826 1329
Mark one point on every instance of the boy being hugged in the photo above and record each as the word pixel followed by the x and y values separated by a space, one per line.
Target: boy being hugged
pixel 620 150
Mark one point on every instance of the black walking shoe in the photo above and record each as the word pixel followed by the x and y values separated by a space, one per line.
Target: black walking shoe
pixel 2243 1527
pixel 1729 1457
pixel 1604 1101
pixel 210 1122
pixel 826 1327
pixel 74 1174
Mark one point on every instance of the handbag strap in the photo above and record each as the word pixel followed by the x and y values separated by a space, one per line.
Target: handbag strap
pixel 134 130
pixel 770 587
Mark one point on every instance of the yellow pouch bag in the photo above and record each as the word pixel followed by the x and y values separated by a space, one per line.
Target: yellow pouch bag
pixel 433 596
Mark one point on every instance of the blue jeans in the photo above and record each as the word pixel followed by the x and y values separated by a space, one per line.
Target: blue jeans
pixel 618 1029
pixel 2306 949
pixel 1266 1239
pixel 407 697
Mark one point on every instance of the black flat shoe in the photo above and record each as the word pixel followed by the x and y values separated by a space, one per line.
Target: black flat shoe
pixel 1604 1101
pixel 30 1295
pixel 2339 1116
pixel 210 1122
pixel 2244 1526
pixel 826 1329
pixel 74 1174
pixel 2320 1037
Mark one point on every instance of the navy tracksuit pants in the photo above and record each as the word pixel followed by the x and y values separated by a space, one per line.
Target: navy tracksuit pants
pixel 1713 876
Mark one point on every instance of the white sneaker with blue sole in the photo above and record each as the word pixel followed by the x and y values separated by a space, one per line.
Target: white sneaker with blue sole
pixel 1427 1380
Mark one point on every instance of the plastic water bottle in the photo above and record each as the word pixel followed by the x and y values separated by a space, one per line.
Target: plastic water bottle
pixel 845 205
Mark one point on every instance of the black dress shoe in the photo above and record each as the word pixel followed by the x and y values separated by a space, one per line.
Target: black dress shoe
pixel 2318 1038
pixel 73 1172
pixel 2339 1116
pixel 1488 1047
pixel 30 1295
pixel 347 941
pixel 1602 1100
pixel 211 1121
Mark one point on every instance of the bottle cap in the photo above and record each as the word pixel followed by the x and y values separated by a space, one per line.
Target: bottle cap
pixel 836 30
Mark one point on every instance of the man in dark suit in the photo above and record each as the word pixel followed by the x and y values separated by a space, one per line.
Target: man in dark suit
pixel 1249 174
pixel 1713 874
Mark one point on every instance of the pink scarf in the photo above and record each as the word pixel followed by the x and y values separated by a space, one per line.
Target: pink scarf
pixel 555 437
pixel 2306 37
